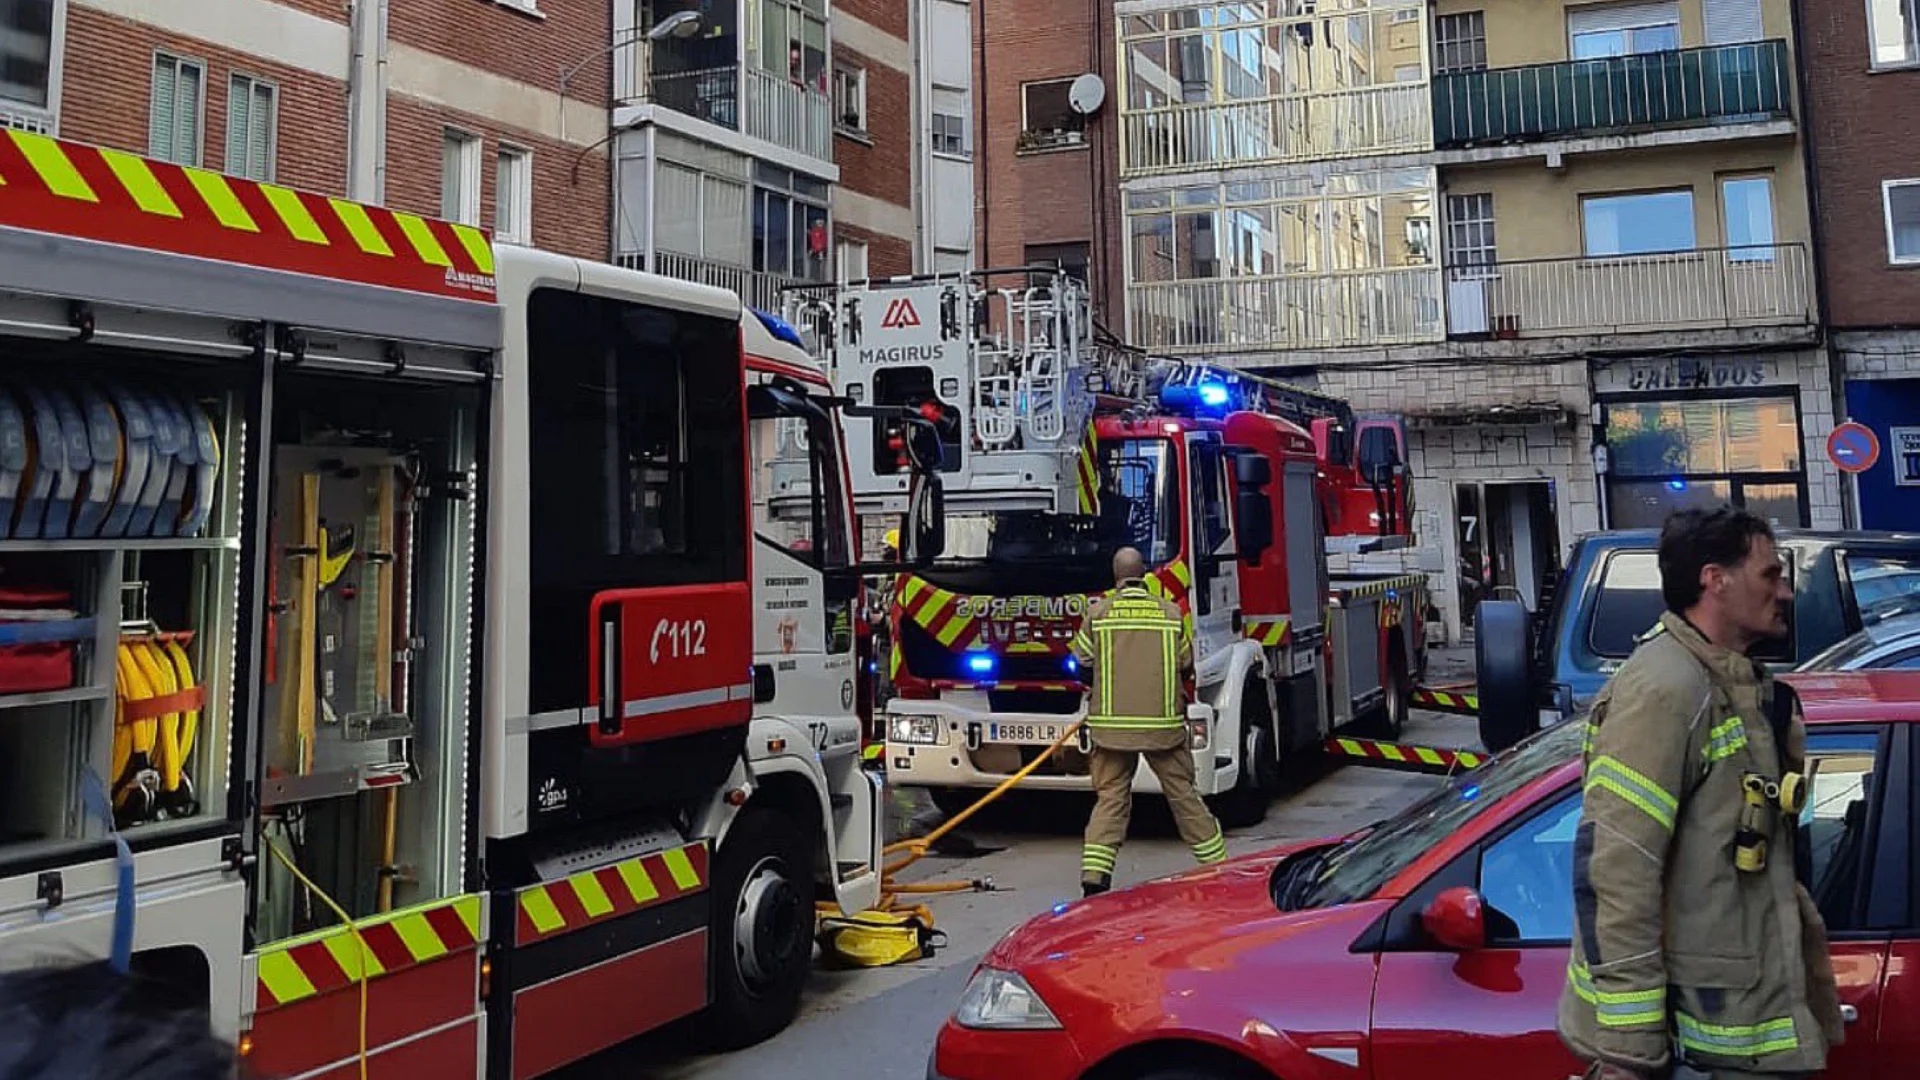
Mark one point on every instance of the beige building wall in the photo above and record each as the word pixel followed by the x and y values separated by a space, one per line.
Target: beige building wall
pixel 1535 31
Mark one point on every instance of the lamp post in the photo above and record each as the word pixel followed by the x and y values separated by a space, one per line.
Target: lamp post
pixel 680 24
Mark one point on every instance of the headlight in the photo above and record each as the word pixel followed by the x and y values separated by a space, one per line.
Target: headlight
pixel 924 730
pixel 1002 1001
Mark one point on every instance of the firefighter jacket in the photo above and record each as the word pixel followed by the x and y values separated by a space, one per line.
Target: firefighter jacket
pixel 1675 945
pixel 1134 649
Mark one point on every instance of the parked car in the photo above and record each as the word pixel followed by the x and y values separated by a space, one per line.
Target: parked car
pixel 1433 943
pixel 1891 639
pixel 1536 670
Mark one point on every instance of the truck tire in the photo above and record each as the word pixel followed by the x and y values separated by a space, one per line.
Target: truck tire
pixel 1259 777
pixel 1502 654
pixel 952 801
pixel 1390 722
pixel 761 930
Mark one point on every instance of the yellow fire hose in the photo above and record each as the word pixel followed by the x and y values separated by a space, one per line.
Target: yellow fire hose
pixel 916 849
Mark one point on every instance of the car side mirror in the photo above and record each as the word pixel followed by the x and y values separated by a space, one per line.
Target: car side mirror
pixel 1253 523
pixel 1252 471
pixel 926 524
pixel 1456 920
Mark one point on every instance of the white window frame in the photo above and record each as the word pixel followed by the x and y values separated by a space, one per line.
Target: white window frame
pixel 44 119
pixel 1468 42
pixel 1886 212
pixel 1752 253
pixel 1912 43
pixel 518 161
pixel 468 193
pixel 199 106
pixel 1490 267
pixel 857 90
pixel 235 79
pixel 965 153
pixel 843 258
pixel 529 7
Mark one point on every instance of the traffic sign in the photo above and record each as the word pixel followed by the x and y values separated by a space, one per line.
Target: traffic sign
pixel 1853 447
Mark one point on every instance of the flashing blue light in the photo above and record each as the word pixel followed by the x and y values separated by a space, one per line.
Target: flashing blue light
pixel 1470 793
pixel 1073 665
pixel 981 664
pixel 1212 394
pixel 1061 907
pixel 781 329
pixel 1677 485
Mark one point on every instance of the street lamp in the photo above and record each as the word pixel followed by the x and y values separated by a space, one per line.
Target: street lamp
pixel 679 25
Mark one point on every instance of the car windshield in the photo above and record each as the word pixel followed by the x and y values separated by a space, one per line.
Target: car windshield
pixel 1359 866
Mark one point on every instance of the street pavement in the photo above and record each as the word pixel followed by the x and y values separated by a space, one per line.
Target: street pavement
pixel 879 1024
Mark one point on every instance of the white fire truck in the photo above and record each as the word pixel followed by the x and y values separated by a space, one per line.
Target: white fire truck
pixel 1056 453
pixel 497 599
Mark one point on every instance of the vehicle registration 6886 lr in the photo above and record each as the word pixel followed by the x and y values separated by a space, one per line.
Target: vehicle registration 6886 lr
pixel 1023 733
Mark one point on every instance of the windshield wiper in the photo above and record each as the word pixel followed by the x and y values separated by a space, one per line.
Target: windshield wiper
pixel 1298 878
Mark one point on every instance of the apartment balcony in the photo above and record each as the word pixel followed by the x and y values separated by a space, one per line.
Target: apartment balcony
pixel 23 117
pixel 755 288
pixel 710 94
pixel 743 99
pixel 787 114
pixel 1717 86
pixel 1389 119
pixel 1706 289
pixel 1245 314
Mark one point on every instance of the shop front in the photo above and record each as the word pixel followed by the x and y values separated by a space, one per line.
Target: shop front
pixel 1686 432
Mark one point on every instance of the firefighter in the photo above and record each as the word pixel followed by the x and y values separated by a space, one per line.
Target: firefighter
pixel 1683 877
pixel 1134 653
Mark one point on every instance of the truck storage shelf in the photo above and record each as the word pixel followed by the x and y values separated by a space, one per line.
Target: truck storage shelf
pixel 55 697
pixel 194 543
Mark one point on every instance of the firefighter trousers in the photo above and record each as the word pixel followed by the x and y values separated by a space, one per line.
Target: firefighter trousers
pixel 1112 774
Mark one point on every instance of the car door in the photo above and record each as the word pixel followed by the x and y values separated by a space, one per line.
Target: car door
pixel 1492 1011
pixel 1891 908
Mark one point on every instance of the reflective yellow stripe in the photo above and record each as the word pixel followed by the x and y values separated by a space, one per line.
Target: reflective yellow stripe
pixel 1427 755
pixel 951 632
pixel 418 935
pixel 283 977
pixel 51 162
pixel 1619 1008
pixel 221 200
pixel 914 587
pixel 425 244
pixel 639 884
pixel 347 951
pixel 1391 752
pixel 593 899
pixel 681 868
pixel 1136 722
pixel 360 227
pixel 1352 747
pixel 138 179
pixel 540 910
pixel 293 214
pixel 1608 774
pixel 468 908
pixel 477 247
pixel 1736 1040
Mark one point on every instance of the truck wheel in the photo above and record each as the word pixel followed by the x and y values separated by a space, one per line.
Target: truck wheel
pixel 1259 776
pixel 1502 648
pixel 1397 698
pixel 952 801
pixel 761 930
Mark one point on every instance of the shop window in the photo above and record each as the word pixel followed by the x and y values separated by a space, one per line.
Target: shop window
pixel 1643 224
pixel 1700 453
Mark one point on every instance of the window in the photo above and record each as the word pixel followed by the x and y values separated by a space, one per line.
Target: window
pixel 1746 207
pixel 1140 498
pixel 1596 31
pixel 1524 876
pixel 1628 603
pixel 1460 42
pixel 791 435
pixel 1047 116
pixel 1655 222
pixel 949 121
pixel 1071 258
pixel 850 98
pixel 635 416
pixel 27 56
pixel 1212 519
pixel 1833 825
pixel 1883 583
pixel 1902 201
pixel 793 42
pixel 1470 238
pixel 850 260
pixel 513 196
pixel 1406 73
pixel 1680 454
pixel 790 229
pixel 251 127
pixel 1894 27
pixel 460 177
pixel 173 122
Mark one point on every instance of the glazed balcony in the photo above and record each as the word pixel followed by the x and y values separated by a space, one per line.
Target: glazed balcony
pixel 1387 119
pixel 1362 307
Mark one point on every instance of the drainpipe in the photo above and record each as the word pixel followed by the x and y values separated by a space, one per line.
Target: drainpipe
pixel 367 102
pixel 1810 167
pixel 982 174
pixel 921 161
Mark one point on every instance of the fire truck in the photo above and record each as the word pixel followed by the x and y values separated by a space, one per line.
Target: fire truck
pixel 1056 451
pixel 433 658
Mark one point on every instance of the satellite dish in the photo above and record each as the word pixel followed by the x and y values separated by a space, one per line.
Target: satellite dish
pixel 1086 94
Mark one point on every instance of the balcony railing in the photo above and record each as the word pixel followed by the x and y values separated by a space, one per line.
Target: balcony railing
pixel 22 117
pixel 1707 289
pixel 755 288
pixel 1373 307
pixel 789 115
pixel 1723 84
pixel 1392 118
pixel 710 94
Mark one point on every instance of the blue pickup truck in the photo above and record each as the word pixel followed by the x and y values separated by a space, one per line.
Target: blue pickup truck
pixel 1537 669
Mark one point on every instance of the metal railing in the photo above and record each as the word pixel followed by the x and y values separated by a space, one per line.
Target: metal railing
pixel 754 287
pixel 21 117
pixel 789 115
pixel 1391 118
pixel 710 94
pixel 1710 288
pixel 1368 307
pixel 1681 88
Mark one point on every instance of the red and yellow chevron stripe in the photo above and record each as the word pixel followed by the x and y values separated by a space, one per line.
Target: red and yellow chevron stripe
pixel 1087 472
pixel 1465 703
pixel 554 908
pixel 937 611
pixel 1416 758
pixel 331 959
pixel 1270 631
pixel 118 198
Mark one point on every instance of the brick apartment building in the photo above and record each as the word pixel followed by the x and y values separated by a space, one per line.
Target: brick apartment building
pixel 443 107
pixel 1862 78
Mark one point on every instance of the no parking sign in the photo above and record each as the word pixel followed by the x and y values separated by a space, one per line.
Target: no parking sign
pixel 1853 447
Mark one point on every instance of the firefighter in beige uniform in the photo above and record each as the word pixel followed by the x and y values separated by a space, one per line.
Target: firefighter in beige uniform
pixel 1134 651
pixel 1696 948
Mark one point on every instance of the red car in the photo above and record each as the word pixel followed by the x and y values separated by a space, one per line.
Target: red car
pixel 1434 943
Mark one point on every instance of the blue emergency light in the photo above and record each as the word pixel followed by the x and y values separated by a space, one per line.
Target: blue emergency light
pixel 981 664
pixel 1073 665
pixel 1212 394
pixel 781 329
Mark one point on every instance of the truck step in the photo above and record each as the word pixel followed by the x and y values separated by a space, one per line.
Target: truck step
pixel 1458 700
pixel 1428 759
pixel 850 870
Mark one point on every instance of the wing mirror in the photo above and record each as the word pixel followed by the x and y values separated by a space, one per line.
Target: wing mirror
pixel 1456 920
pixel 926 524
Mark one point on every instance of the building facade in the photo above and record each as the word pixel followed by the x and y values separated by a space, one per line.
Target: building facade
pixel 1862 76
pixel 441 107
pixel 1568 243
pixel 767 144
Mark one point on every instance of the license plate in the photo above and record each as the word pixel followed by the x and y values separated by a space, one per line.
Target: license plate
pixel 1023 733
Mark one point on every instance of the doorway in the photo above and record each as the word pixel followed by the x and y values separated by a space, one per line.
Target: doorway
pixel 1509 542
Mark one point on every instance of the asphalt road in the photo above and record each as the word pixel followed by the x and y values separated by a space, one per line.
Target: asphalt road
pixel 879 1024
